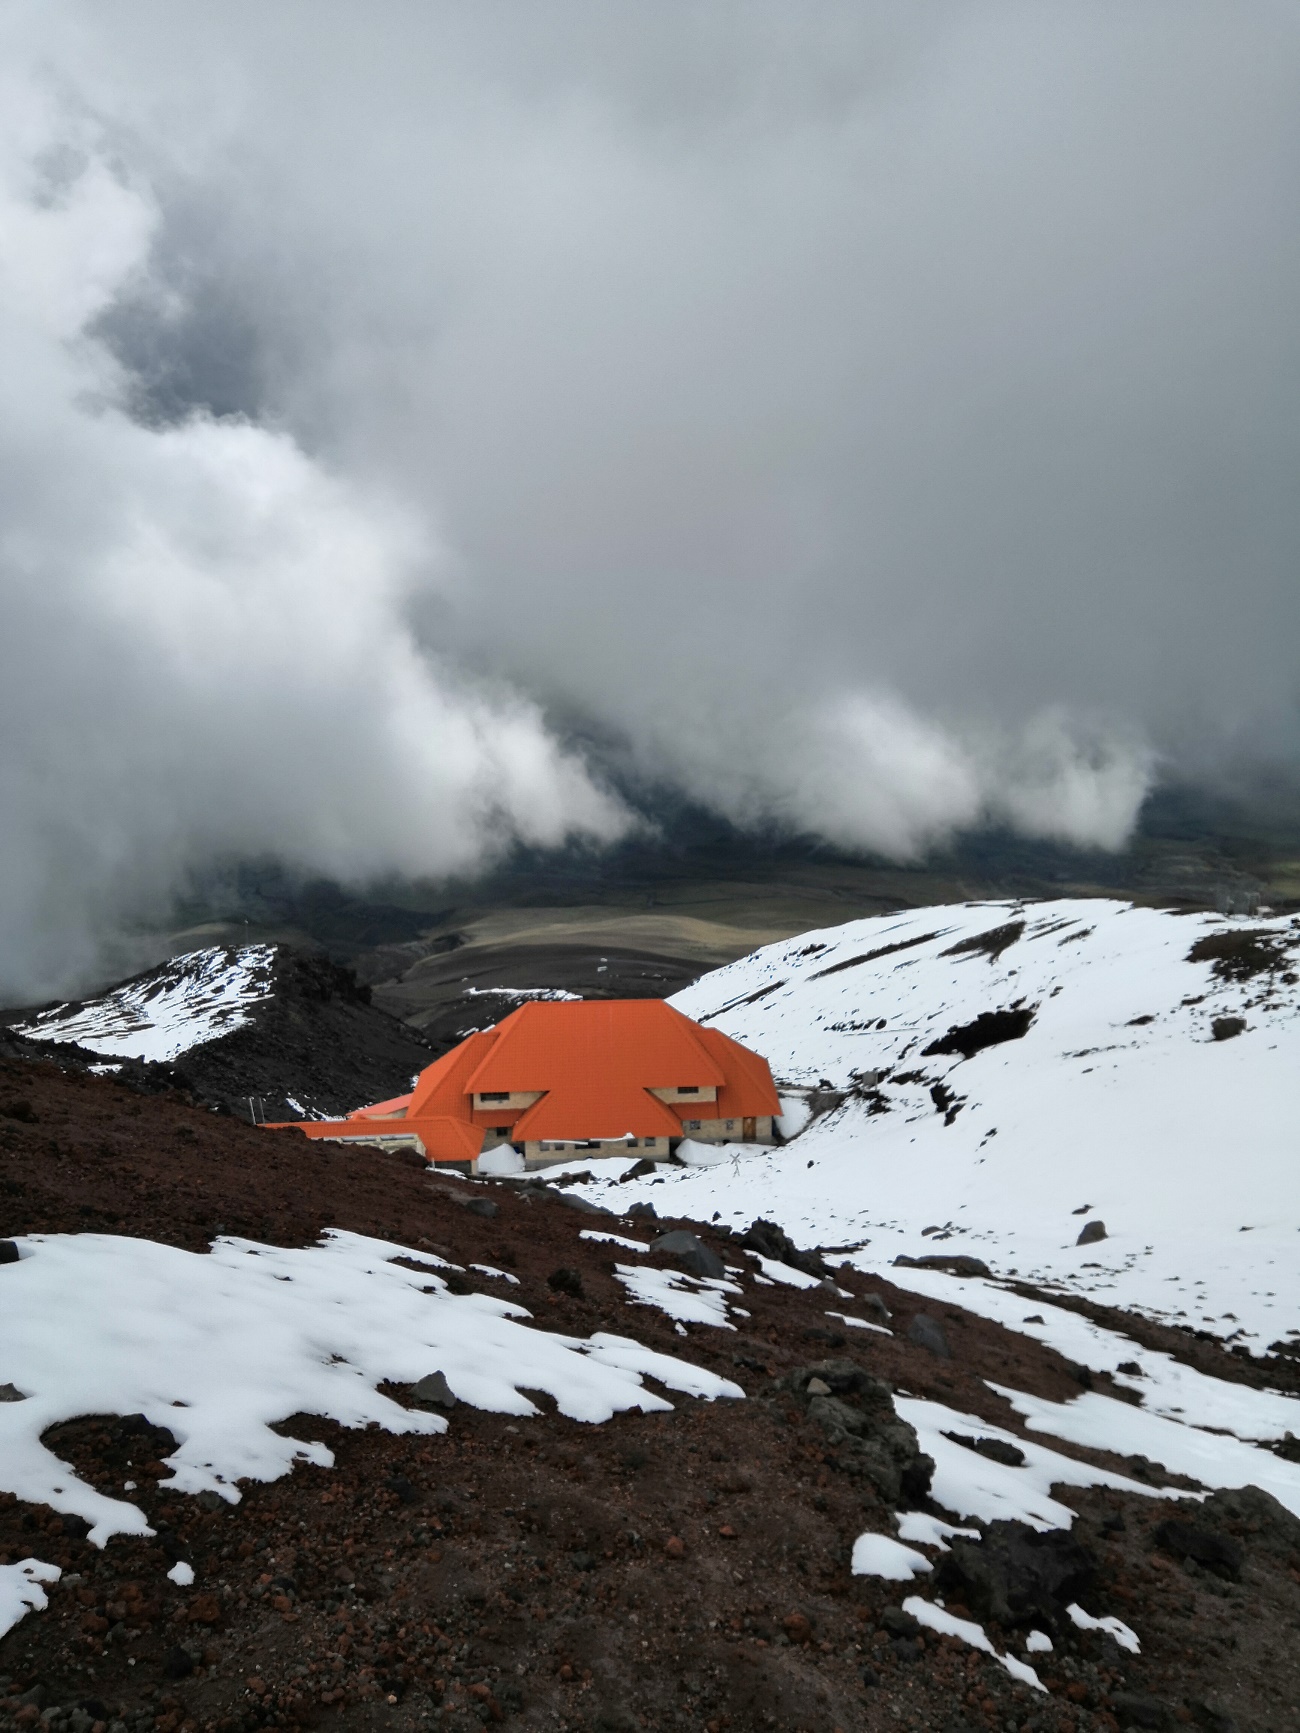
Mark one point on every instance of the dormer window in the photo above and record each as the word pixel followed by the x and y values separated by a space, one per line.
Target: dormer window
pixel 496 1095
pixel 688 1089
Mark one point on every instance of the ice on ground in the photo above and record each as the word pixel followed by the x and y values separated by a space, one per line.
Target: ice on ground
pixel 1113 1627
pixel 181 1574
pixel 1213 1459
pixel 779 1272
pixel 21 1591
pixel 615 1240
pixel 973 1485
pixel 860 1323
pixel 219 1348
pixel 687 1299
pixel 159 1015
pixel 926 1530
pixel 879 1555
pixel 967 1631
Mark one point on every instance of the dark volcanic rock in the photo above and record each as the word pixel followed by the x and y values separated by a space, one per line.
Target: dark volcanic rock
pixel 1017 1576
pixel 1205 1546
pixel 856 1412
pixel 771 1241
pixel 690 1251
pixel 1091 1233
pixel 956 1263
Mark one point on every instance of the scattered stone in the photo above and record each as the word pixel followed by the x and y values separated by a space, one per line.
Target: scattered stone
pixel 927 1332
pixel 483 1206
pixel 404 1487
pixel 818 1387
pixel 643 1212
pixel 571 1200
pixel 638 1170
pixel 204 1610
pixel 1212 1551
pixel 1224 1028
pixel 11 1393
pixel 178 1663
pixel 690 1251
pixel 955 1263
pixel 566 1282
pixel 675 1547
pixel 898 1623
pixel 8 1252
pixel 434 1391
pixel 1091 1232
pixel 1129 1368
pixel 861 1426
pixel 797 1627
pixel 210 1501
pixel 996 1449
pixel 74 1526
pixel 875 1307
pixel 1208 1716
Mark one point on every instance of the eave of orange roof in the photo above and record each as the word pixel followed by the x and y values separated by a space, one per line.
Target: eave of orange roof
pixel 597 1110
pixel 442 1137
pixel 382 1109
pixel 749 1091
pixel 632 1043
pixel 441 1087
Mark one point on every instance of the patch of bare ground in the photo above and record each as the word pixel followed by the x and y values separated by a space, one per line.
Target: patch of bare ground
pixel 680 1571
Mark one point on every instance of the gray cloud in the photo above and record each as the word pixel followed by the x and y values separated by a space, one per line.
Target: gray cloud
pixel 879 419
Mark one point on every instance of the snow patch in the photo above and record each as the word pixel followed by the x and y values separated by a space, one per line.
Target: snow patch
pixel 879 1555
pixel 21 1592
pixel 158 1016
pixel 218 1348
pixel 967 1631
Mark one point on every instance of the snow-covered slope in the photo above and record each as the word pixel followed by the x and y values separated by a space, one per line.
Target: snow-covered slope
pixel 159 1015
pixel 1132 1098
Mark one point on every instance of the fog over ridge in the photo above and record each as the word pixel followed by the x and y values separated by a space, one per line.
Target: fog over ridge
pixel 878 420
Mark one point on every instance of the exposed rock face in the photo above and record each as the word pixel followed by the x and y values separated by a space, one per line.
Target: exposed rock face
pixel 856 1413
pixel 690 1251
pixel 1018 1576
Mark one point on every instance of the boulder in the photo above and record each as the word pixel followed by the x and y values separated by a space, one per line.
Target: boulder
pixel 857 1415
pixel 1018 1576
pixel 1092 1232
pixel 433 1391
pixel 953 1263
pixel 690 1251
pixel 771 1241
pixel 1205 1546
pixel 927 1332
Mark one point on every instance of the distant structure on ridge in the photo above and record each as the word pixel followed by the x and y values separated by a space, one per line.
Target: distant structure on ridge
pixel 554 1079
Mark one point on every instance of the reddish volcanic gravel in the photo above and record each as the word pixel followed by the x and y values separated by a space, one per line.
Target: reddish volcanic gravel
pixel 688 1570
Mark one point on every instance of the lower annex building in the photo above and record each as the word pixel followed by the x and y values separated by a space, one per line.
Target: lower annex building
pixel 555 1078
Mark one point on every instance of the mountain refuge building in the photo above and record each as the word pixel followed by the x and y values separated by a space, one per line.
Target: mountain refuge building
pixel 560 1078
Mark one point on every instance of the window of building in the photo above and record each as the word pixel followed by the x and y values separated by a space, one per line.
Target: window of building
pixel 496 1095
pixel 688 1089
pixel 692 1125
pixel 501 1130
pixel 731 1125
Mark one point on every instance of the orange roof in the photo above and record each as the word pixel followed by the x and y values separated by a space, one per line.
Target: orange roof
pixel 594 1063
pixel 394 1109
pixel 442 1086
pixel 554 1044
pixel 597 1108
pixel 749 1090
pixel 441 1137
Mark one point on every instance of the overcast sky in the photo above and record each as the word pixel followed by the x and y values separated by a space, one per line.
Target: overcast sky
pixel 877 418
